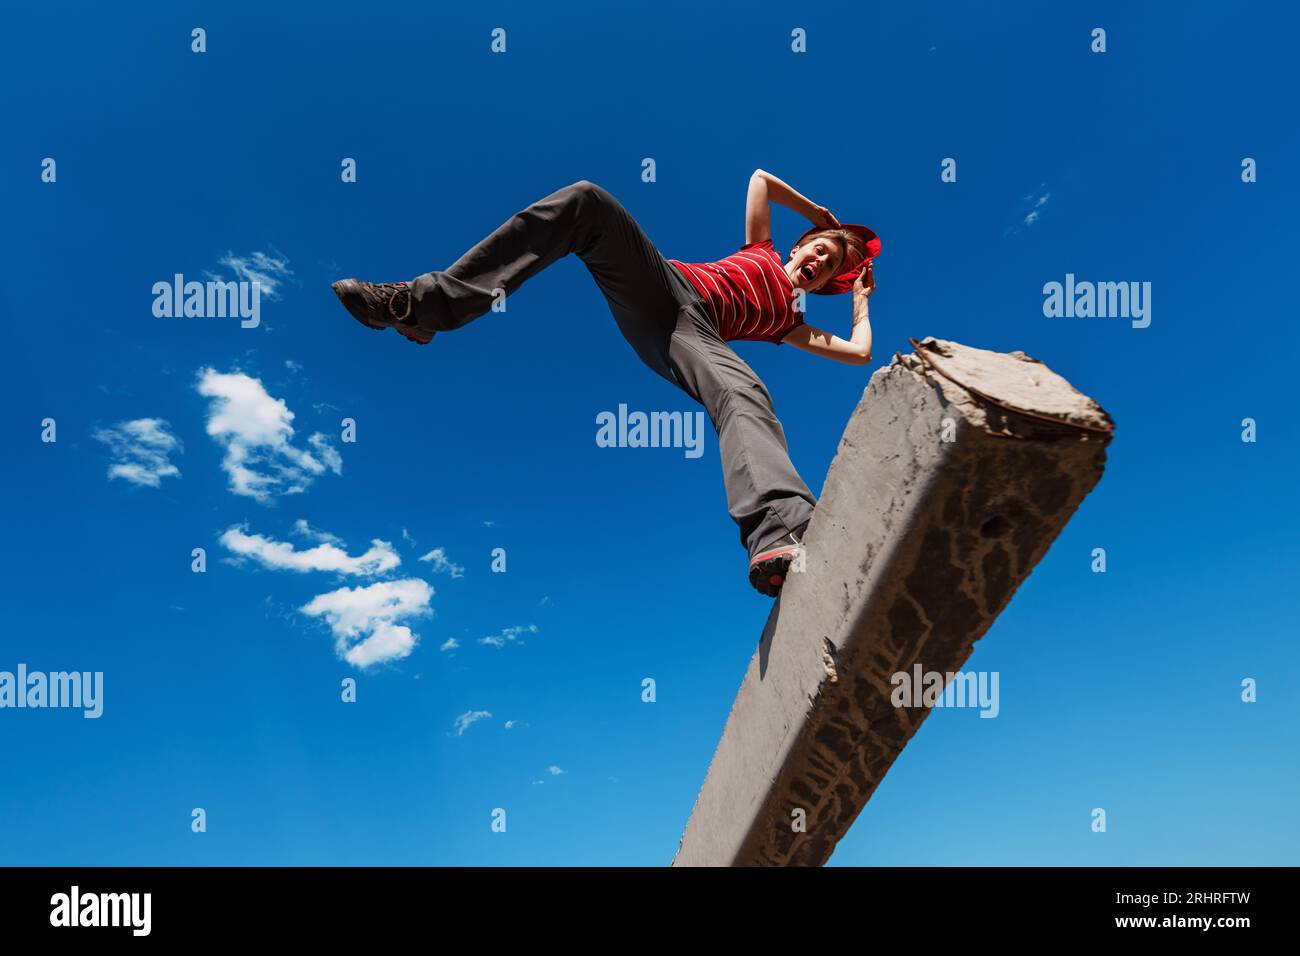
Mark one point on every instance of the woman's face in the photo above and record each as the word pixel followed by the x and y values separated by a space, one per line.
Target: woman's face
pixel 815 263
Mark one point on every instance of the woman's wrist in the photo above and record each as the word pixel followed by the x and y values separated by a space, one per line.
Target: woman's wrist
pixel 804 206
pixel 785 194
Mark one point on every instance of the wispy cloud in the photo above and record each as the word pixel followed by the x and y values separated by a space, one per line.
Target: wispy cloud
pixel 304 530
pixel 553 770
pixel 256 430
pixel 1036 200
pixel 269 270
pixel 1039 201
pixel 463 722
pixel 441 564
pixel 364 619
pixel 450 644
pixel 509 635
pixel 327 556
pixel 140 450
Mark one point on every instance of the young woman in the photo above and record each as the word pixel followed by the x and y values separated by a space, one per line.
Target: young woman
pixel 679 317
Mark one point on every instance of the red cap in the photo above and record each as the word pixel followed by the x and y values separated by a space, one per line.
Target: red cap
pixel 844 281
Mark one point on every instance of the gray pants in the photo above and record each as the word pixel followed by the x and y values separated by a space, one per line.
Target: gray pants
pixel 660 315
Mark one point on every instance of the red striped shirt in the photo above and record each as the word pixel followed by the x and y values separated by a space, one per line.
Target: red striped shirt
pixel 748 294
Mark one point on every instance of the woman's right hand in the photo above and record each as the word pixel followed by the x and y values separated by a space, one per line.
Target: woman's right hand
pixel 821 216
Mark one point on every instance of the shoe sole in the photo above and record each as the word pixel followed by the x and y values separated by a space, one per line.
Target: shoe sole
pixel 768 571
pixel 407 334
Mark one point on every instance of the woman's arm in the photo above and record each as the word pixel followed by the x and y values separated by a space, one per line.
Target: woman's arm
pixel 855 351
pixel 765 189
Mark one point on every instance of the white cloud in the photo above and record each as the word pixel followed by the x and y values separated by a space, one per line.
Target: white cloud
pixel 257 431
pixel 267 270
pixel 438 558
pixel 328 556
pixel 510 724
pixel 470 716
pixel 509 635
pixel 450 644
pixel 140 449
pixel 554 770
pixel 364 619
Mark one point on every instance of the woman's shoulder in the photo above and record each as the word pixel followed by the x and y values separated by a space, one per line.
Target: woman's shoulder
pixel 763 247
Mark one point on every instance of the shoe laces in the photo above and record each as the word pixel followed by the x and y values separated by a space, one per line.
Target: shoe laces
pixel 391 292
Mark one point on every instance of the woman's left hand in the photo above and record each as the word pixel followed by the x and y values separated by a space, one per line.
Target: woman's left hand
pixel 865 283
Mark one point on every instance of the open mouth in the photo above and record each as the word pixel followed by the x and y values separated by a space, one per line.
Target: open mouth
pixel 808 272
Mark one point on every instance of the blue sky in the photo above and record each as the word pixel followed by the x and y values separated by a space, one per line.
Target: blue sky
pixel 1118 690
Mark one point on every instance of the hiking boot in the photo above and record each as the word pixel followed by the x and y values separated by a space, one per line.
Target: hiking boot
pixel 769 568
pixel 380 306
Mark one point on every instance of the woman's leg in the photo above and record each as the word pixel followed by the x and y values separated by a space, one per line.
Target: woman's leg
pixel 640 286
pixel 765 495
pixel 660 315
